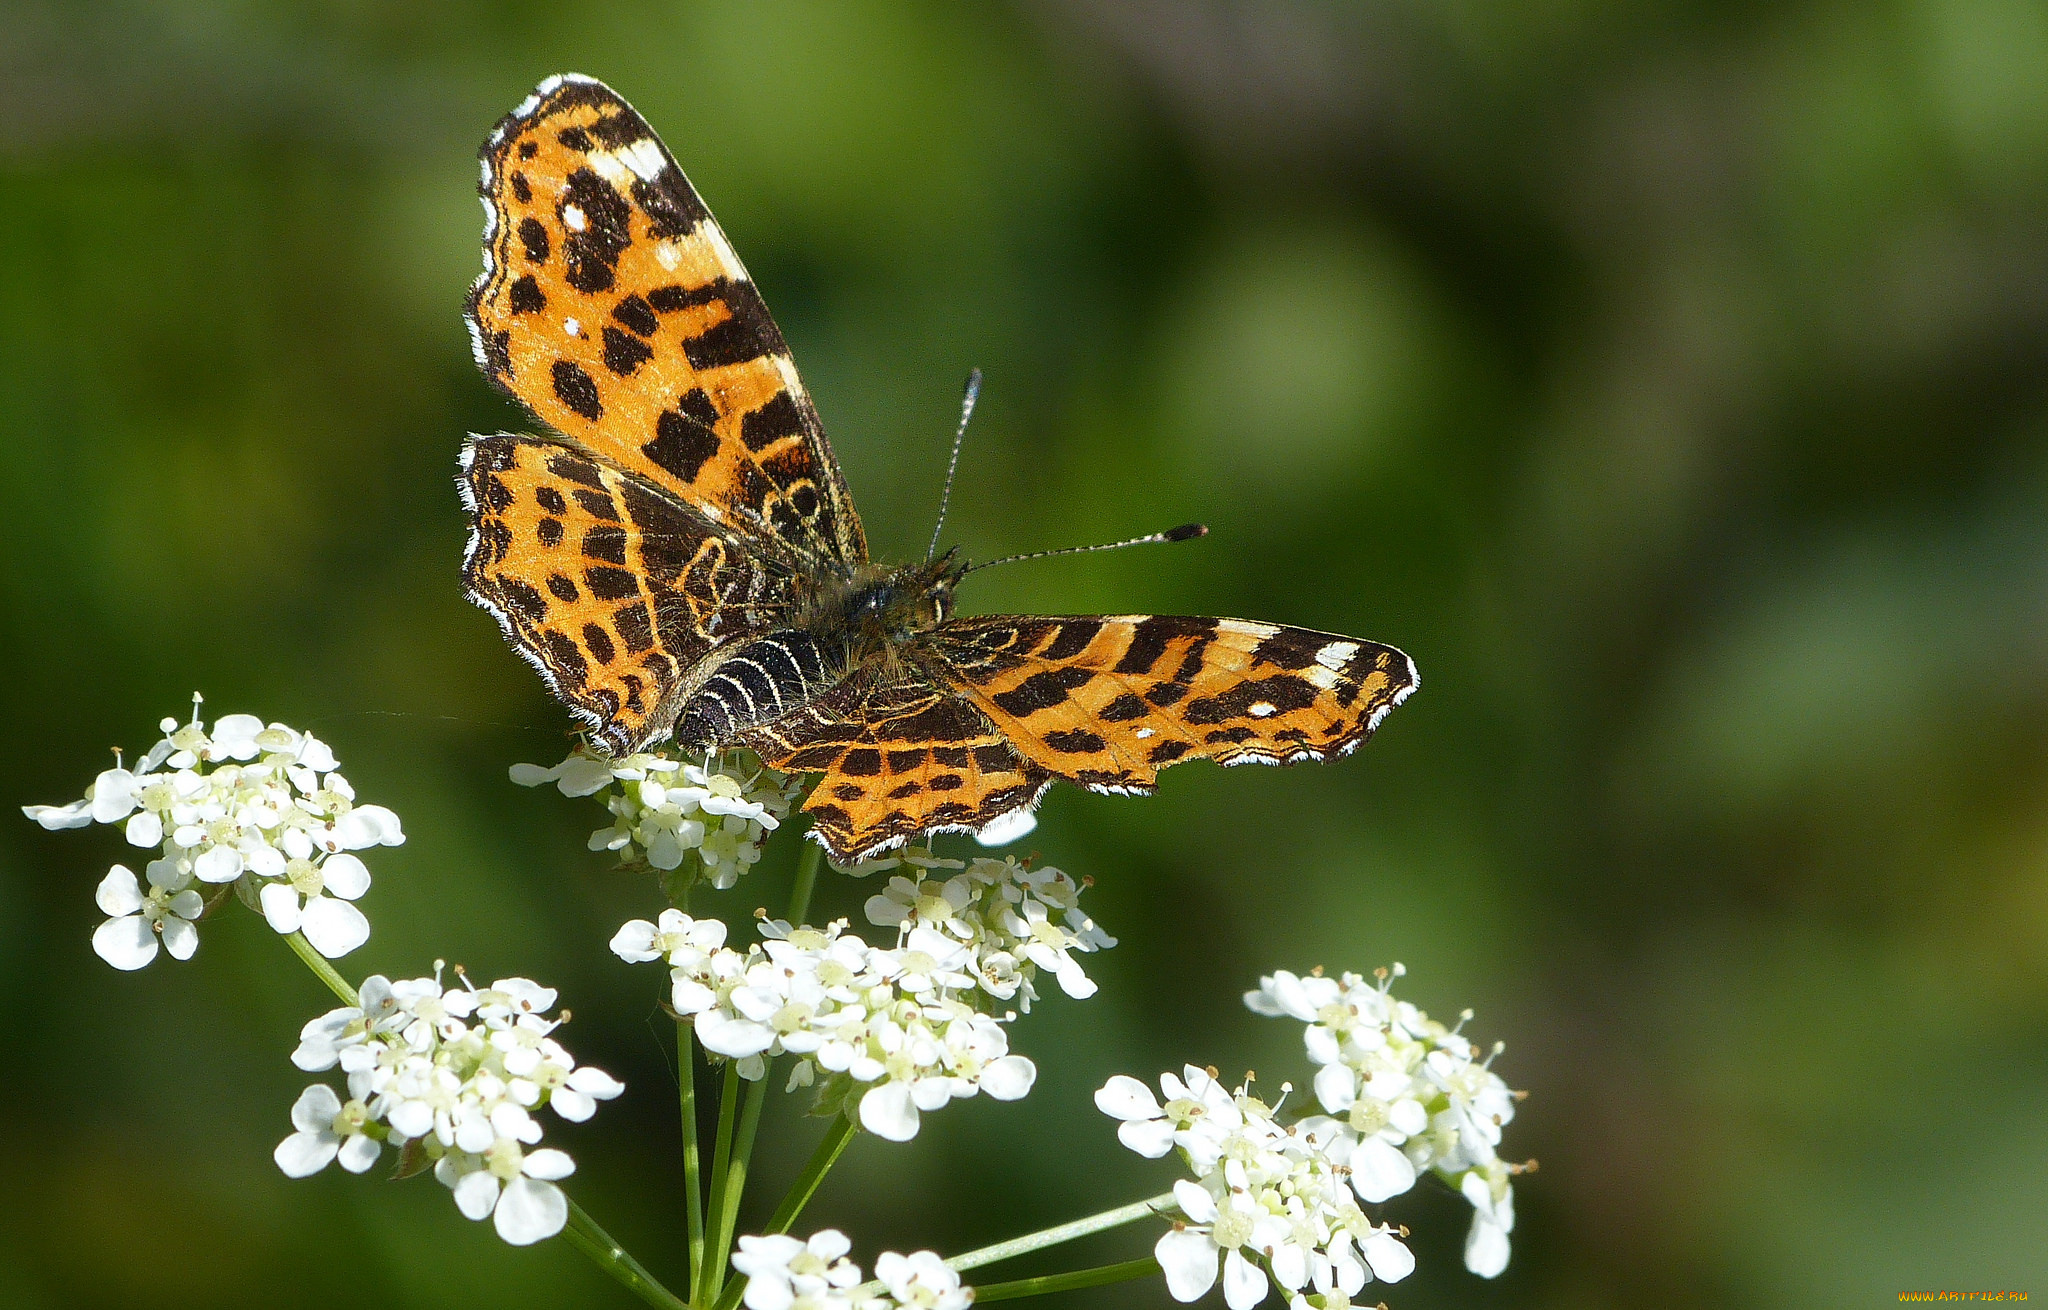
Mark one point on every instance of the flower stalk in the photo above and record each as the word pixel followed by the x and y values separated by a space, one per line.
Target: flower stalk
pixel 585 1235
pixel 1100 1276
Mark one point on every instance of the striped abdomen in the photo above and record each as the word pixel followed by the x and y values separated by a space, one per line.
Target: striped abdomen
pixel 760 681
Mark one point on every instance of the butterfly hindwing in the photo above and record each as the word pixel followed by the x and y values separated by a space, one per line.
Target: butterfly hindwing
pixel 900 755
pixel 613 589
pixel 1108 701
pixel 612 305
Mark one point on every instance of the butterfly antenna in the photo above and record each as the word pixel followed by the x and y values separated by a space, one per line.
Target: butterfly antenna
pixel 1185 532
pixel 945 497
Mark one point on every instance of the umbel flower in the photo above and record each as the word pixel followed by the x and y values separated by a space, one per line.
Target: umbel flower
pixel 454 1077
pixel 260 807
pixel 785 1274
pixel 1410 1095
pixel 664 810
pixel 1269 1204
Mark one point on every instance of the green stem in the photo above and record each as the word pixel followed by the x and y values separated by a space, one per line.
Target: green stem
pixel 807 866
pixel 736 1179
pixel 800 1192
pixel 1045 1237
pixel 1097 1277
pixel 693 1169
pixel 721 1160
pixel 322 969
pixel 584 1234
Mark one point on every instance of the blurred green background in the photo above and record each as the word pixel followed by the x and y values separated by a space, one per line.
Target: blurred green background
pixel 1671 380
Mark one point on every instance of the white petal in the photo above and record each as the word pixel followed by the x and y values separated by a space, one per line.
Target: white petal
pixel 1189 1261
pixel 1336 1087
pixel 889 1113
pixel 595 1083
pixel 1150 1138
pixel 302 1154
pixel 1244 1283
pixel 218 864
pixel 1010 1078
pixel 180 937
pixel 724 1035
pixel 345 875
pixel 315 1109
pixel 634 942
pixel 334 927
pixel 113 795
pixel 548 1164
pixel 476 1194
pixel 530 1211
pixel 572 1104
pixel 77 814
pixel 1380 1171
pixel 280 902
pixel 1486 1247
pixel 1391 1262
pixel 145 829
pixel 368 825
pixel 358 1153
pixel 126 942
pixel 118 892
pixel 1194 1202
pixel 1124 1097
pixel 416 1119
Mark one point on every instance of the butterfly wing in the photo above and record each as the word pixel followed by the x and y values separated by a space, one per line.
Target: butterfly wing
pixel 901 755
pixel 1107 702
pixel 613 307
pixel 612 588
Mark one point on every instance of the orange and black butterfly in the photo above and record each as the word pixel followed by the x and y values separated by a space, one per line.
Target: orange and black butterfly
pixel 678 554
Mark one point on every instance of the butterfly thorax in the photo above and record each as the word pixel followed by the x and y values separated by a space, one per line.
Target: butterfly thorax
pixel 844 625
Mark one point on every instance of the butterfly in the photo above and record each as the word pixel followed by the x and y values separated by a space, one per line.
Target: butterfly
pixel 677 553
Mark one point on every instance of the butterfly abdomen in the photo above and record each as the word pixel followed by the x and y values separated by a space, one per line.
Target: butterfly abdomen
pixel 760 681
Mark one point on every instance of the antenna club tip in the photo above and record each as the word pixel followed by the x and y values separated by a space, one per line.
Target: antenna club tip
pixel 1186 532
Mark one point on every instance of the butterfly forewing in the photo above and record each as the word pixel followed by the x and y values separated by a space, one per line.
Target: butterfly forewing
pixel 1108 701
pixel 612 588
pixel 612 305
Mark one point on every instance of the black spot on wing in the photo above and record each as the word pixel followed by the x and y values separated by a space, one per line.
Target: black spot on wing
pixel 565 658
pixel 1040 691
pixel 563 587
pixel 526 297
pixel 1073 638
pixel 680 445
pixel 522 599
pixel 1283 691
pixel 592 254
pixel 1077 741
pixel 637 315
pixel 611 584
pixel 598 642
pixel 1124 708
pixel 1166 752
pixel 574 388
pixel 606 542
pixel 861 763
pixel 772 422
pixel 623 352
pixel 533 234
pixel 550 500
pixel 549 531
pixel 576 469
pixel 634 627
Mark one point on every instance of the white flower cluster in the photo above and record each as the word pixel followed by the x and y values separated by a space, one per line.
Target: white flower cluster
pixel 1014 921
pixel 454 1075
pixel 882 1032
pixel 258 806
pixel 1411 1095
pixel 1272 1204
pixel 785 1274
pixel 663 809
